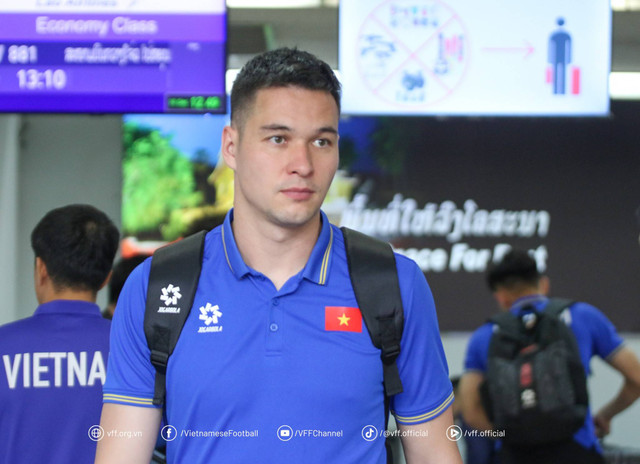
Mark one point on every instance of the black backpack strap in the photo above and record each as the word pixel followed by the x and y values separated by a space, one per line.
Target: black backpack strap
pixel 508 337
pixel 555 306
pixel 173 280
pixel 512 331
pixel 374 277
pixel 507 321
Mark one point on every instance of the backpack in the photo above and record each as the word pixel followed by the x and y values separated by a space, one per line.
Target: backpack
pixel 535 388
pixel 374 278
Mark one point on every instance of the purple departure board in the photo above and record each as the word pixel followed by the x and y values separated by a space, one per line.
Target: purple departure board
pixel 112 56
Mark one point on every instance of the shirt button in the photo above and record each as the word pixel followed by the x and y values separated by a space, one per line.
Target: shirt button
pixel 273 327
pixel 275 302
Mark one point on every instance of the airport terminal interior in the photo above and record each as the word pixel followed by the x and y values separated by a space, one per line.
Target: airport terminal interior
pixel 452 160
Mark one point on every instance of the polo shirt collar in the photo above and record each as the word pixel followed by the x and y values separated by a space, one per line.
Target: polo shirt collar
pixel 529 300
pixel 316 269
pixel 73 307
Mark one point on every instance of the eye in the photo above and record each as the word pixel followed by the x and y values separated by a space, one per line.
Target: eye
pixel 320 143
pixel 277 139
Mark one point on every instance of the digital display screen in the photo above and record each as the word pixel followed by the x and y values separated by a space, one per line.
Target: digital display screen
pixel 112 56
pixel 471 58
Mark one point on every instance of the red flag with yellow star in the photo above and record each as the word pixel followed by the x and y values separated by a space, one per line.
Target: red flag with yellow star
pixel 342 319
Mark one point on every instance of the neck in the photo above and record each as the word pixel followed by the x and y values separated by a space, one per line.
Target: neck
pixel 508 298
pixel 67 294
pixel 277 252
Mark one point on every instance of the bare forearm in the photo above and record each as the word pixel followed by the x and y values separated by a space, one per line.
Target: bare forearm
pixel 626 362
pixel 130 434
pixel 428 443
pixel 627 395
pixel 473 412
pixel 478 420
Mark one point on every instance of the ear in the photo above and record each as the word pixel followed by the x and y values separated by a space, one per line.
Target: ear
pixel 106 281
pixel 544 285
pixel 502 298
pixel 229 146
pixel 41 281
pixel 41 274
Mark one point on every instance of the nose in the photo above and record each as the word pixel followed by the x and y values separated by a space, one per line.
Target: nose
pixel 300 161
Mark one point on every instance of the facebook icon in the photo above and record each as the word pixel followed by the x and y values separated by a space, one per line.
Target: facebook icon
pixel 169 432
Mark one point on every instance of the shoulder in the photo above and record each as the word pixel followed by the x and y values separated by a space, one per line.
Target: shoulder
pixel 587 315
pixel 406 265
pixel 585 309
pixel 102 323
pixel 407 269
pixel 478 348
pixel 15 330
pixel 481 336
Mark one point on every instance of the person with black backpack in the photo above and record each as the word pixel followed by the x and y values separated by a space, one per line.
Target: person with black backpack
pixel 254 340
pixel 526 369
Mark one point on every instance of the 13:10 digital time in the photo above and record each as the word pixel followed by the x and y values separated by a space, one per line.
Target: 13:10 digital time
pixel 48 79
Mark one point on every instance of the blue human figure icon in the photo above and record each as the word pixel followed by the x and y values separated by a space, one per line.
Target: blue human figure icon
pixel 559 57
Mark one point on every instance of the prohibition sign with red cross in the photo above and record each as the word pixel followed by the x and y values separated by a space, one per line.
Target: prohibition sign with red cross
pixel 411 53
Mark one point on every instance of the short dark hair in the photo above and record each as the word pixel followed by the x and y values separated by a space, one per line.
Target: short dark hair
pixel 516 267
pixel 282 67
pixel 77 243
pixel 121 271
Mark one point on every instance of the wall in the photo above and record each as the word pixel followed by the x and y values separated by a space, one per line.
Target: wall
pixel 574 180
pixel 62 159
pixel 9 150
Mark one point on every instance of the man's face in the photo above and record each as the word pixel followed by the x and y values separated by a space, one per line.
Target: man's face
pixel 284 155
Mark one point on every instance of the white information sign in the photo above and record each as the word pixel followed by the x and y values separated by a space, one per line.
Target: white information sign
pixel 470 57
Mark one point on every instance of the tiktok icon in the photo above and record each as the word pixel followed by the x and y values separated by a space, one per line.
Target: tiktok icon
pixel 369 433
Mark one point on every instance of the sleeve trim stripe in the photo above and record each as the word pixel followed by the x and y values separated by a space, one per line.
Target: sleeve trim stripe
pixel 127 399
pixel 614 352
pixel 428 415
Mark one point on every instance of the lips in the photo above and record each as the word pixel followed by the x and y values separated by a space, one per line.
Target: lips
pixel 298 193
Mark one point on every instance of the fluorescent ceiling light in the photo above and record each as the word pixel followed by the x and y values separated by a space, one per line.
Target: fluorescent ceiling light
pixel 273 3
pixel 624 86
pixel 625 5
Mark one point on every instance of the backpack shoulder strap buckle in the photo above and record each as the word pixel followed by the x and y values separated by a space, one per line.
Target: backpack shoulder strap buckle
pixel 159 359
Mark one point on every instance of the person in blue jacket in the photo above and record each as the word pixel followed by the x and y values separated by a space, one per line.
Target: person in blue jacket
pixel 54 362
pixel 518 286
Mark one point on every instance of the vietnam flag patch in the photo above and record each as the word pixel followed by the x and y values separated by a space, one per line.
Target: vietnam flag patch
pixel 342 319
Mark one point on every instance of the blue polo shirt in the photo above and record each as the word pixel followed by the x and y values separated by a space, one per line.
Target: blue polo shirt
pixel 595 334
pixel 266 375
pixel 53 368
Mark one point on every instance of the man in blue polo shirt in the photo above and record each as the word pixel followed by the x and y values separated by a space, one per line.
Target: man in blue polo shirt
pixel 517 287
pixel 54 362
pixel 274 363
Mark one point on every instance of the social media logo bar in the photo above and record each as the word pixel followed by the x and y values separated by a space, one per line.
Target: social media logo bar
pixel 169 432
pixel 369 432
pixel 96 433
pixel 454 433
pixel 285 433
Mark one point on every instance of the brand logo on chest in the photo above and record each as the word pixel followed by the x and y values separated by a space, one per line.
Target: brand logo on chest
pixel 210 316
